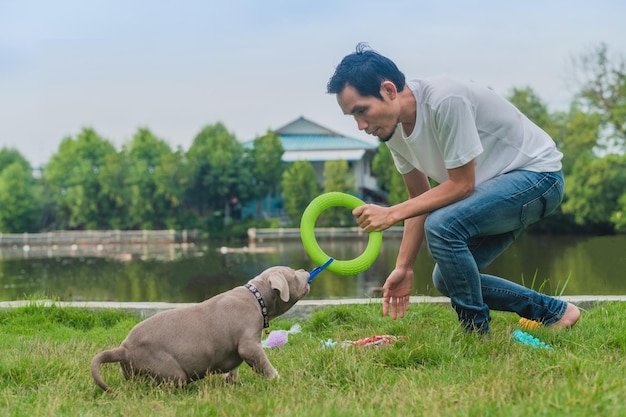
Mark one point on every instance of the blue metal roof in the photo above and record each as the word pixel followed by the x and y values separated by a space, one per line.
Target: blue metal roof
pixel 305 135
pixel 319 142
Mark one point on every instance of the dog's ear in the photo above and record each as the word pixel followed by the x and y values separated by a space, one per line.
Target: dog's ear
pixel 278 281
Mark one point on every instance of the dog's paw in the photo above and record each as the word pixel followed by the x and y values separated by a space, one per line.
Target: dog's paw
pixel 231 377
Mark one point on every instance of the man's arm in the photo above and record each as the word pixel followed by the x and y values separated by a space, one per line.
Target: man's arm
pixel 413 234
pixel 459 185
pixel 398 286
pixel 423 200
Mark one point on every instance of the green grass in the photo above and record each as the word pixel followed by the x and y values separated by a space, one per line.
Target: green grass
pixel 437 371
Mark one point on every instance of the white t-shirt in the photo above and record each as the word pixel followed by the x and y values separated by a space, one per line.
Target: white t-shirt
pixel 457 122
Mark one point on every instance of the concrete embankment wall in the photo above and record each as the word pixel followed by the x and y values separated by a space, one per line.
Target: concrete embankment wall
pixel 302 309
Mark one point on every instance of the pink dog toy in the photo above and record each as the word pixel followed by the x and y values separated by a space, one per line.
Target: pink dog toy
pixel 278 338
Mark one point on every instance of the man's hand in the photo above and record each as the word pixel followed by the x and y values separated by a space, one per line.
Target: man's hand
pixel 373 218
pixel 397 292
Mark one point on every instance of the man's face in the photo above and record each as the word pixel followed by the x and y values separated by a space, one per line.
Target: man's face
pixel 376 117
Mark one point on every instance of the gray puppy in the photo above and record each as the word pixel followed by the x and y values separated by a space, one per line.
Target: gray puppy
pixel 215 336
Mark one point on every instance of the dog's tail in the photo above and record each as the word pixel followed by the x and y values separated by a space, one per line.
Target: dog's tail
pixel 113 355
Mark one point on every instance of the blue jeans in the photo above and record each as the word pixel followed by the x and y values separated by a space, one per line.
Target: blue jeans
pixel 466 236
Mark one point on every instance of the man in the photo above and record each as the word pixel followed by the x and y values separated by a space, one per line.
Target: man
pixel 497 173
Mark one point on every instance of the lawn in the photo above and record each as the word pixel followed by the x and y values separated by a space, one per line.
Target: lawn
pixel 438 370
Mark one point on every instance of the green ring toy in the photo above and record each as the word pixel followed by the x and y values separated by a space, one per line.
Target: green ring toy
pixel 307 233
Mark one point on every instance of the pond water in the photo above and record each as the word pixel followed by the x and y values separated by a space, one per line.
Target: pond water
pixel 191 273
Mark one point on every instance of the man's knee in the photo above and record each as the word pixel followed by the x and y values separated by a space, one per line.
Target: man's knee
pixel 439 282
pixel 439 225
pixel 432 224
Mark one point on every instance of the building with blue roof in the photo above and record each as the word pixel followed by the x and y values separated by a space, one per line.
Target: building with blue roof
pixel 304 140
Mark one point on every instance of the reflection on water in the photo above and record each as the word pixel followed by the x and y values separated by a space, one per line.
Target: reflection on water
pixel 191 273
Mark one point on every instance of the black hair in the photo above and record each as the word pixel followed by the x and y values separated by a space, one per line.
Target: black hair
pixel 365 69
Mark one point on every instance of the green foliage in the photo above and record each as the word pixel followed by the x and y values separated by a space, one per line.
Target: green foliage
pixel 389 179
pixel 20 199
pixel 576 134
pixel 154 171
pixel 216 160
pixel 595 190
pixel 602 82
pixel 338 178
pixel 300 186
pixel 171 179
pixel 74 176
pixel 265 163
pixel 382 166
pixel 116 188
pixel 529 103
pixel 11 156
pixel 618 218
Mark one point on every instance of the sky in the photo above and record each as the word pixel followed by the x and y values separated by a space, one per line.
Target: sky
pixel 175 67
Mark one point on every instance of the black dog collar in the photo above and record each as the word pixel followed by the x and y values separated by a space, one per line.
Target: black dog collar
pixel 259 298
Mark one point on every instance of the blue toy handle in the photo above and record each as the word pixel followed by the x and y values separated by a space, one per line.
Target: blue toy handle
pixel 319 269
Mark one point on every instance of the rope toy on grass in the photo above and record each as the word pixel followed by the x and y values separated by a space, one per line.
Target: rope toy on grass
pixel 376 340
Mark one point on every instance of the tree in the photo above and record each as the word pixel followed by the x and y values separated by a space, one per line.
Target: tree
pixel 145 153
pixel 300 186
pixel 114 187
pixel 618 218
pixel 171 178
pixel 265 162
pixel 219 177
pixel 596 191
pixel 73 175
pixel 389 179
pixel 337 177
pixel 529 103
pixel 602 82
pixel 576 134
pixel 10 156
pixel 19 198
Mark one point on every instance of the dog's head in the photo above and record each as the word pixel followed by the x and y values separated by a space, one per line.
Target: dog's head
pixel 288 286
